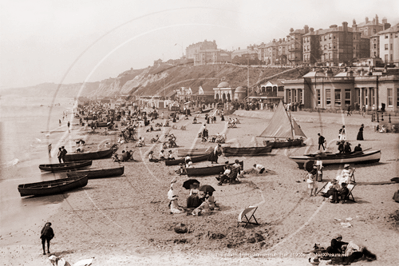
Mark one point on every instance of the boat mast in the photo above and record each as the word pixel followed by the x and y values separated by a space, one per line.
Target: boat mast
pixel 292 128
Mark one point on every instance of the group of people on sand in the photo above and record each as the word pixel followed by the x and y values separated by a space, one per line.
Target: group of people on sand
pixel 162 156
pixel 337 190
pixel 198 202
pixel 340 253
pixel 125 156
pixel 231 173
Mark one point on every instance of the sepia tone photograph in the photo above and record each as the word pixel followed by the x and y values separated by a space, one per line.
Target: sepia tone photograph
pixel 199 132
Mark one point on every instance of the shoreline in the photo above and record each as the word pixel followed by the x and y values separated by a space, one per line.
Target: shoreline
pixel 126 219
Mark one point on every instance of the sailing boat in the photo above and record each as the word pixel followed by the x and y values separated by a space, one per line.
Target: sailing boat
pixel 283 126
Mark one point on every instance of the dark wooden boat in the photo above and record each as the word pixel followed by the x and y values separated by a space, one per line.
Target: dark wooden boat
pixel 209 170
pixel 52 187
pixel 59 167
pixel 372 156
pixel 99 173
pixel 194 159
pixel 285 143
pixel 246 151
pixel 193 152
pixel 89 155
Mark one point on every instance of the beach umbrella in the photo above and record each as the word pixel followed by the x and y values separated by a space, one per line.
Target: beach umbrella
pixel 190 182
pixel 207 188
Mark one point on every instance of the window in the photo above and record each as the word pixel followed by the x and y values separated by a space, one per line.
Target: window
pixel 289 96
pixel 337 97
pixel 386 58
pixel 386 36
pixel 386 46
pixel 390 97
pixel 328 96
pixel 293 96
pixel 391 57
pixel 318 97
pixel 300 96
pixel 372 97
pixel 391 46
pixel 375 46
pixel 366 99
pixel 347 97
pixel 329 46
pixel 397 97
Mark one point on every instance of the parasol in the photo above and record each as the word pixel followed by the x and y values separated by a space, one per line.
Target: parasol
pixel 207 188
pixel 187 184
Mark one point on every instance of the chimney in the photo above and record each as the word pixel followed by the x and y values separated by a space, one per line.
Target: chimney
pixel 367 20
pixel 311 30
pixel 292 30
pixel 333 26
pixel 376 20
pixel 345 26
pixel 306 29
pixel 384 20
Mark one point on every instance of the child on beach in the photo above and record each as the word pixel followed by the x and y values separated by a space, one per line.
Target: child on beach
pixel 312 184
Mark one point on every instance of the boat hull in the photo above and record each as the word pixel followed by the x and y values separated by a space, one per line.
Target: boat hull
pixel 209 170
pixel 285 144
pixel 366 157
pixel 194 159
pixel 52 187
pixel 247 151
pixel 60 167
pixel 193 152
pixel 89 155
pixel 99 173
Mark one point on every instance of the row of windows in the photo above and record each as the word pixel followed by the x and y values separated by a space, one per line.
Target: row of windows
pixel 391 46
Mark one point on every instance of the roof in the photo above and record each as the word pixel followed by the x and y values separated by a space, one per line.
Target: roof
pixel 312 74
pixel 394 28
pixel 241 89
pixel 223 84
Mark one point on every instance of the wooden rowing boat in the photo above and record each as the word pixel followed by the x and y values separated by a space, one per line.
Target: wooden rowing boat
pixel 246 151
pixel 59 167
pixel 209 170
pixel 194 159
pixel 193 152
pixel 99 173
pixel 52 187
pixel 89 155
pixel 371 156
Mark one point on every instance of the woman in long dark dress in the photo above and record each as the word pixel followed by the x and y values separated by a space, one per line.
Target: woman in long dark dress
pixel 360 133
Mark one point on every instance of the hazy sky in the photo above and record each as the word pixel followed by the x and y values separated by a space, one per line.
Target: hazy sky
pixel 73 41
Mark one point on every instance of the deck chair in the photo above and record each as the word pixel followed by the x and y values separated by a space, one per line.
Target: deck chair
pixel 324 188
pixel 350 196
pixel 243 218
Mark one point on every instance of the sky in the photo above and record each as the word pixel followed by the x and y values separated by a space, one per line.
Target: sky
pixel 75 41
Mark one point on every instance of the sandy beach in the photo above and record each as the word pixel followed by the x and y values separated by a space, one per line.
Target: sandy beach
pixel 126 221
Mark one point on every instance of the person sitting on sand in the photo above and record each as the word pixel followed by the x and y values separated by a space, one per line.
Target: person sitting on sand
pixel 336 245
pixel 204 207
pixel 129 155
pixel 141 142
pixel 195 120
pixel 193 201
pixel 181 170
pixel 332 191
pixel 115 158
pixel 187 159
pixel 125 156
pixel 170 155
pixel 162 155
pixel 156 139
pixel 259 168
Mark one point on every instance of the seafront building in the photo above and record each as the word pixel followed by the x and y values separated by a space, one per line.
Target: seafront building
pixel 372 90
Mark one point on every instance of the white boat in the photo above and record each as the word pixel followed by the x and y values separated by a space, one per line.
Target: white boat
pixel 371 156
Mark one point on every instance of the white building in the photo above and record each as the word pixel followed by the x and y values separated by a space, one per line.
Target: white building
pixel 389 45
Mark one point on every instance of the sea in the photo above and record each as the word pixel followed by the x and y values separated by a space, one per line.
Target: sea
pixel 27 126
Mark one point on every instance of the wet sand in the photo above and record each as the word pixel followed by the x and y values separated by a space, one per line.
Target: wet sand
pixel 125 220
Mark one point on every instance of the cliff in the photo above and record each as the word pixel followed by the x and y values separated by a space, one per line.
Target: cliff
pixel 163 79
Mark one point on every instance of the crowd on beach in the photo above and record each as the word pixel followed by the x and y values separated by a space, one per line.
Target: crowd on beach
pixel 200 198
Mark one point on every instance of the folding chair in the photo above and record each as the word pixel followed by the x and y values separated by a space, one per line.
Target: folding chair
pixel 324 188
pixel 244 214
pixel 350 196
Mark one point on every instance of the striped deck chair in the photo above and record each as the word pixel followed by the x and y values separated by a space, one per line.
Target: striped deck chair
pixel 243 218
